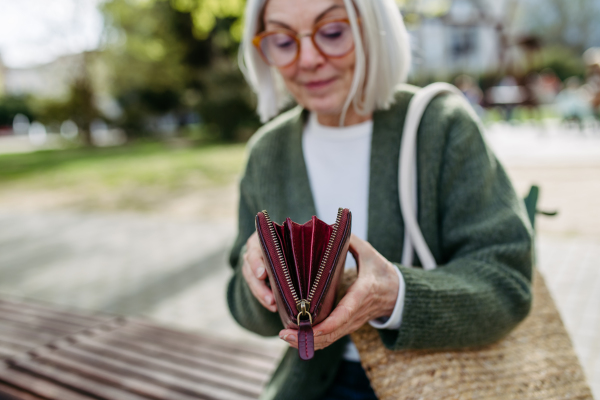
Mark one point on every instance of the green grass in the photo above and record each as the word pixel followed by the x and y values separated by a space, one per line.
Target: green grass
pixel 133 176
pixel 150 163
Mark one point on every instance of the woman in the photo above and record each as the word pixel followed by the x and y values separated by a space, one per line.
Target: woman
pixel 341 61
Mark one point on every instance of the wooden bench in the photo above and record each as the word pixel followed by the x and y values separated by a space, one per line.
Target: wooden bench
pixel 48 353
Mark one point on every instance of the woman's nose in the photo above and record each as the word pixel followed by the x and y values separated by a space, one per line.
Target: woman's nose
pixel 309 57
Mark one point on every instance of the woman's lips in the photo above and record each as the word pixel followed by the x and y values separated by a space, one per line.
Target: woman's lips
pixel 314 85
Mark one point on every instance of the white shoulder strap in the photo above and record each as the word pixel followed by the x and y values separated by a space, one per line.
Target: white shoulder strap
pixel 407 174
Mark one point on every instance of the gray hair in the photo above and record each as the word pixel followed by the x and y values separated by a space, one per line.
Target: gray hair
pixel 382 61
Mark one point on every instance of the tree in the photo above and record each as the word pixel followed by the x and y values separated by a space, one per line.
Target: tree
pixel 11 106
pixel 178 57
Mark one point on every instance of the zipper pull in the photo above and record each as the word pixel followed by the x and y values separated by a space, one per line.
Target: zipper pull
pixel 303 306
pixel 306 343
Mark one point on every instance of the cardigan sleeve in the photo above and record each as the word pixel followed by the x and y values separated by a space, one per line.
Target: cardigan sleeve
pixel 481 289
pixel 244 307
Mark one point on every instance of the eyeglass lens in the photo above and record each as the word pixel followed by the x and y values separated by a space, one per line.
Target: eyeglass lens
pixel 333 39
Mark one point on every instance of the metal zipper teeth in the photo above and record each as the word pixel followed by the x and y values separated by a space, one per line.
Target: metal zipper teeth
pixel 286 272
pixel 326 256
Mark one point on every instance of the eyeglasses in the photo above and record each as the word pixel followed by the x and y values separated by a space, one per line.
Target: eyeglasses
pixel 281 47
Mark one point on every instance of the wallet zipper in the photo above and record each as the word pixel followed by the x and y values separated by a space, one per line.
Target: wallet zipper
pixel 303 305
pixel 286 271
pixel 311 293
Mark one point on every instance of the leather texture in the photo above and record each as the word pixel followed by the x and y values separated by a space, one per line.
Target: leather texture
pixel 295 253
pixel 306 340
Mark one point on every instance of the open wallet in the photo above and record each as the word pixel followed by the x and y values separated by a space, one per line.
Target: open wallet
pixel 305 264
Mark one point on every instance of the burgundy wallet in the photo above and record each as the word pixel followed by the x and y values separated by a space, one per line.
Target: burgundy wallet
pixel 305 264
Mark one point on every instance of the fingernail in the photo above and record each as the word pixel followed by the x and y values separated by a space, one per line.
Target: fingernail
pixel 318 333
pixel 259 272
pixel 285 337
pixel 291 338
pixel 268 299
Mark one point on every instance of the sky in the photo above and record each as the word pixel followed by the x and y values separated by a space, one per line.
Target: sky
pixel 35 32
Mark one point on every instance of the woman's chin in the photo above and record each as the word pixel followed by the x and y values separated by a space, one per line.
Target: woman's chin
pixel 324 106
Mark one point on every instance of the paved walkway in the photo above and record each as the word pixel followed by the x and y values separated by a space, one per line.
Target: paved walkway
pixel 570 267
pixel 175 271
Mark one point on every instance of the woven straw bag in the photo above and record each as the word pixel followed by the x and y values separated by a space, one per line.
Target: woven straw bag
pixel 535 361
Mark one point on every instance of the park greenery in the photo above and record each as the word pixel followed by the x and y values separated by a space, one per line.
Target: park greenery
pixel 175 62
pixel 143 176
pixel 178 57
pixel 170 66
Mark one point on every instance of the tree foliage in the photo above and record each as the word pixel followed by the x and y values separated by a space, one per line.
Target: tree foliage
pixel 11 106
pixel 178 57
pixel 206 13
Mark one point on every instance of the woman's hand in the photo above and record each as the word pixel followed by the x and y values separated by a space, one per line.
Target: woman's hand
pixel 371 296
pixel 255 273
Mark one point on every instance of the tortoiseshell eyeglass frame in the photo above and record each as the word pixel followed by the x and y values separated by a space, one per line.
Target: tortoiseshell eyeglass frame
pixel 296 37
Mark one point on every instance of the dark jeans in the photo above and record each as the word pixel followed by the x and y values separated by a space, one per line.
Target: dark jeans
pixel 350 383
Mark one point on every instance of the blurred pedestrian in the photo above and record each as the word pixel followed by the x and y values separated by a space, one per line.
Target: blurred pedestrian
pixel 592 61
pixel 547 87
pixel 467 85
pixel 541 89
pixel 506 95
pixel 574 102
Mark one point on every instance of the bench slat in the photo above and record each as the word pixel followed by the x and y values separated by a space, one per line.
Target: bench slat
pixel 11 393
pixel 38 386
pixel 54 314
pixel 78 381
pixel 165 361
pixel 200 350
pixel 52 354
pixel 91 317
pixel 194 339
pixel 205 384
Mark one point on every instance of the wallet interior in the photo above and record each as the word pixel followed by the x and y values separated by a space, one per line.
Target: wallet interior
pixel 303 247
pixel 304 262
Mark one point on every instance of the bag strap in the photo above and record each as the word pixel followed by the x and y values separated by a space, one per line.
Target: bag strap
pixel 407 174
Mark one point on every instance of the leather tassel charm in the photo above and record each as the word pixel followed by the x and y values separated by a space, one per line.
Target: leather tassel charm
pixel 306 342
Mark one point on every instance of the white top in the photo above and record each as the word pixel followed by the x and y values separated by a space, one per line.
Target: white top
pixel 338 164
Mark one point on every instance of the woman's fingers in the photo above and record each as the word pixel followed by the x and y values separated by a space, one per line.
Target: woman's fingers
pixel 355 243
pixel 256 263
pixel 255 274
pixel 342 319
pixel 347 315
pixel 290 336
pixel 372 295
pixel 345 319
pixel 340 316
pixel 353 251
pixel 259 288
pixel 362 251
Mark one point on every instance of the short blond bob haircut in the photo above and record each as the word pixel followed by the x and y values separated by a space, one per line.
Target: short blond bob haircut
pixel 382 59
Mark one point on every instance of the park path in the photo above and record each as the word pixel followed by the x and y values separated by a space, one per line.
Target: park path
pixel 174 270
pixel 121 263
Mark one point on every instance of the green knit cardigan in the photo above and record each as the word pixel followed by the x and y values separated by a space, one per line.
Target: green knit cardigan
pixel 472 220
